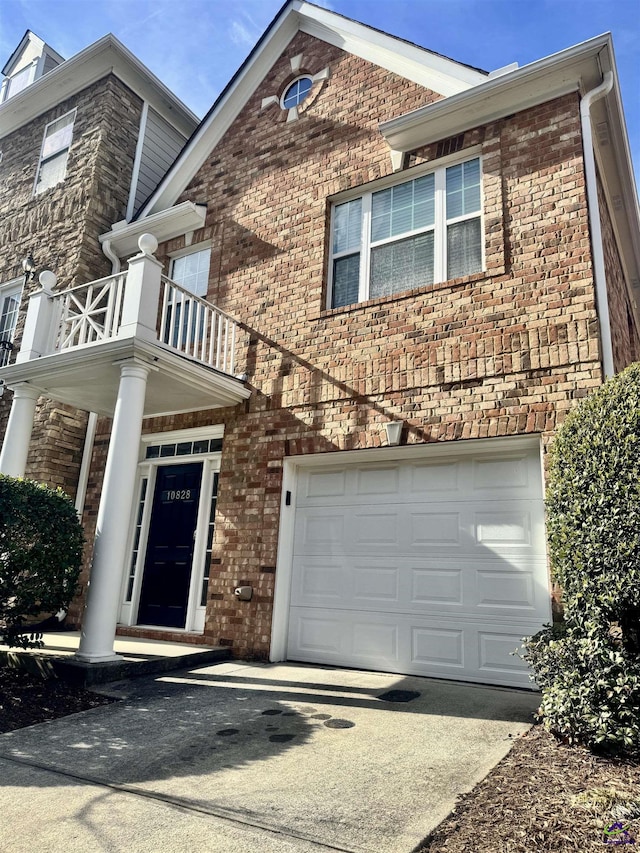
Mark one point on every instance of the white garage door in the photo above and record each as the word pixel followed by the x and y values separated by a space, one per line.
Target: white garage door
pixel 431 566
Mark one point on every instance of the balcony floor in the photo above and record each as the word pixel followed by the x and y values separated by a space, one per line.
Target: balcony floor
pixel 88 377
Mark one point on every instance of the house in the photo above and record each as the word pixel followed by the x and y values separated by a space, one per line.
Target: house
pixel 336 343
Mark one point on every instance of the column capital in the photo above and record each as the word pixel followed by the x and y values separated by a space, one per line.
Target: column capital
pixel 22 390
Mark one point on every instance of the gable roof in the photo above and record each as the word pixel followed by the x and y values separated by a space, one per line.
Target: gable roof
pixel 29 38
pixel 103 57
pixel 428 69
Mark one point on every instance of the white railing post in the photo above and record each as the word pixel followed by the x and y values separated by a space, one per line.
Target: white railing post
pixel 36 337
pixel 142 293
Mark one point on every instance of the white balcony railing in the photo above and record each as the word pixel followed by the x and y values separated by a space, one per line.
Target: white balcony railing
pixel 138 303
pixel 88 313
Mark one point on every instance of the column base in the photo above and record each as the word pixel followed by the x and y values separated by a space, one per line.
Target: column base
pixel 91 657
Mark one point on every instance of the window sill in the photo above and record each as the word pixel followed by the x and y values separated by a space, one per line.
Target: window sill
pixel 451 284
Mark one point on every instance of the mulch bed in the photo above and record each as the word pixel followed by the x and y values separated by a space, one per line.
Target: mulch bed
pixel 26 699
pixel 545 797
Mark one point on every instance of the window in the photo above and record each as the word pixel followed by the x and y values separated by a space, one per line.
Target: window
pixel 296 93
pixel 9 304
pixel 192 271
pixel 409 235
pixel 184 321
pixel 55 152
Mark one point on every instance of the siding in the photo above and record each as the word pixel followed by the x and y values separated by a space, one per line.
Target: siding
pixel 162 144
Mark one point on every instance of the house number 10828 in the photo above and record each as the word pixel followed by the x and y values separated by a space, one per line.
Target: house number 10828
pixel 177 495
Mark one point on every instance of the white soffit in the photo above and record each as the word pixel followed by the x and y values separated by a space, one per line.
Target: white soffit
pixel 165 225
pixel 414 63
pixel 106 56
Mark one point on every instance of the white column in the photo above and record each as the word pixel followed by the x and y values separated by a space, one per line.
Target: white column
pixel 38 331
pixel 15 449
pixel 114 515
pixel 142 293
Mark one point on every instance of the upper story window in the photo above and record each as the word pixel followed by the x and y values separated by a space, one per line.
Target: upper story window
pixel 409 235
pixel 9 305
pixel 192 271
pixel 18 81
pixel 55 152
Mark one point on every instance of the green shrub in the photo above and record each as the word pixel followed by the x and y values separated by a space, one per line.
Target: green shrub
pixel 593 504
pixel 589 671
pixel 590 687
pixel 40 553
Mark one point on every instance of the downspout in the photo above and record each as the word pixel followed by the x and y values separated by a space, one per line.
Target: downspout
pixel 83 477
pixel 602 301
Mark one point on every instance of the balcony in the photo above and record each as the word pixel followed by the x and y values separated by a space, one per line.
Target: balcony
pixel 76 340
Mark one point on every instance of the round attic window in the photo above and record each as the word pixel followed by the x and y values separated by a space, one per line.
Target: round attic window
pixel 296 93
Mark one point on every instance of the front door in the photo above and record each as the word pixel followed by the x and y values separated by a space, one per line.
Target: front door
pixel 167 569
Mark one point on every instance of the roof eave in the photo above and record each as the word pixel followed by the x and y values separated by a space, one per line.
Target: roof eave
pixel 571 70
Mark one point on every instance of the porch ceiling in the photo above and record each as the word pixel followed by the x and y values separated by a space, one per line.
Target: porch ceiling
pixel 88 378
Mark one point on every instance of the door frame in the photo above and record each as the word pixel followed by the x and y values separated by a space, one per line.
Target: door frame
pixel 147 469
pixel 437 451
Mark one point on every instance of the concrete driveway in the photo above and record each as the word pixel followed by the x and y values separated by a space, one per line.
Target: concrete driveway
pixel 243 757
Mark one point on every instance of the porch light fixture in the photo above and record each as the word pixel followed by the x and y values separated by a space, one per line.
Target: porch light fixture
pixel 394 432
pixel 29 267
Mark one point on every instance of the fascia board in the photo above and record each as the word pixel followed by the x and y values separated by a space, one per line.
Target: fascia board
pixel 164 225
pixel 438 73
pixel 571 70
pixel 410 61
pixel 107 55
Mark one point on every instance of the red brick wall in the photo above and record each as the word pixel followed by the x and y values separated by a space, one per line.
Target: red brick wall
pixel 625 335
pixel 504 352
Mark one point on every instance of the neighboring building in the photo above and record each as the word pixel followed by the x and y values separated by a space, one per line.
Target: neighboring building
pixel 396 240
pixel 82 142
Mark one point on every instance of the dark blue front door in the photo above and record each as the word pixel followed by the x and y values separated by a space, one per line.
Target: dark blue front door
pixel 167 569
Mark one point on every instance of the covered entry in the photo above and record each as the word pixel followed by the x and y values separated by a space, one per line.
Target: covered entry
pixel 425 560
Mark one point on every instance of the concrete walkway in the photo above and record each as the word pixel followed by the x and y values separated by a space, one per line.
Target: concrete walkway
pixel 239 757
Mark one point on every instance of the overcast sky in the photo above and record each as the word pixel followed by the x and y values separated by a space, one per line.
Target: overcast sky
pixel 195 46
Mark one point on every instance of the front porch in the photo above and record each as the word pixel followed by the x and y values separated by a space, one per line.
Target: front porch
pixel 130 346
pixel 136 657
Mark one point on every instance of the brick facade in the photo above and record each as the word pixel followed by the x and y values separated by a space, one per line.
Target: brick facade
pixel 625 334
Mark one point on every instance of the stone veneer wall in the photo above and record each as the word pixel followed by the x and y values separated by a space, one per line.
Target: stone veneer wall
pixel 61 227
pixel 505 352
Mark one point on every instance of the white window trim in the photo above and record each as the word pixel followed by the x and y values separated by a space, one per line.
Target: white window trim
pixel 44 139
pixel 11 288
pixel 439 228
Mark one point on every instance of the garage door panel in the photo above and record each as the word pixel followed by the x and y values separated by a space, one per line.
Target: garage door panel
pixel 496 653
pixel 373 527
pixel 435 647
pixel 435 587
pixel 443 478
pixel 379 481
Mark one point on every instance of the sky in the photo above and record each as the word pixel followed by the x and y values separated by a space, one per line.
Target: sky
pixel 195 46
